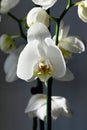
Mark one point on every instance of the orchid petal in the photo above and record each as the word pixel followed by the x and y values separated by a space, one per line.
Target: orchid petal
pixel 41 112
pixel 56 58
pixel 36 101
pixel 61 106
pixel 27 60
pixel 63 31
pixel 72 44
pixel 10 65
pixel 45 3
pixel 68 76
pixel 38 31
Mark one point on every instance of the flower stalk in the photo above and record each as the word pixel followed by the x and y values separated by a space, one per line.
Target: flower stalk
pixel 36 90
pixel 35 123
pixel 57 32
pixel 58 20
pixel 19 21
pixel 49 93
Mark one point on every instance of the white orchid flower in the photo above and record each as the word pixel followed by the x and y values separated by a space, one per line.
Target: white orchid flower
pixel 42 33
pixel 6 5
pixel 45 3
pixel 10 65
pixel 7 43
pixel 40 58
pixel 82 10
pixel 69 44
pixel 37 107
pixel 37 14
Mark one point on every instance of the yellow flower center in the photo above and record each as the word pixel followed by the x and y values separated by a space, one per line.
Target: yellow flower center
pixel 44 70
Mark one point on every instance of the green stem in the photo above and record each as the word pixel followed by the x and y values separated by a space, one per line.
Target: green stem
pixel 21 30
pixel 49 93
pixel 69 5
pixel 12 16
pixel 19 21
pixel 40 90
pixel 58 20
pixel 41 125
pixel 57 32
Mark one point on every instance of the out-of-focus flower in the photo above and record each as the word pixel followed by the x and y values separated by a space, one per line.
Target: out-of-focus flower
pixel 6 5
pixel 10 65
pixel 40 58
pixel 7 43
pixel 82 10
pixel 69 44
pixel 45 3
pixel 37 14
pixel 37 107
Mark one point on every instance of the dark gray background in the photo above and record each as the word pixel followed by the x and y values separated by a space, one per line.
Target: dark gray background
pixel 14 96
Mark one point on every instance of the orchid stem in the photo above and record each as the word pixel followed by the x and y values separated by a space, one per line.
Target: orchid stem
pixel 40 90
pixel 49 93
pixel 35 123
pixel 19 21
pixel 58 20
pixel 57 32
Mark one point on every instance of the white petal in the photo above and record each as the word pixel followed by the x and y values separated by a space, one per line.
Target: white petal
pixel 45 3
pixel 60 106
pixel 27 60
pixel 37 14
pixel 6 5
pixel 56 58
pixel 38 31
pixel 63 31
pixel 68 76
pixel 10 65
pixel 72 44
pixel 41 112
pixel 35 103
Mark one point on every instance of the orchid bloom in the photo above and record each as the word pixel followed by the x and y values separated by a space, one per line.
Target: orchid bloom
pixel 37 107
pixel 45 3
pixel 37 14
pixel 40 58
pixel 6 5
pixel 69 44
pixel 82 10
pixel 7 43
pixel 10 65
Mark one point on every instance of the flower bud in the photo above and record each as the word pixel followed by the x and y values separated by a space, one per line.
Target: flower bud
pixel 7 43
pixel 6 5
pixel 37 14
pixel 82 10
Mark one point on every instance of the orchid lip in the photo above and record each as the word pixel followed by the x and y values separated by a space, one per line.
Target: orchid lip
pixel 44 70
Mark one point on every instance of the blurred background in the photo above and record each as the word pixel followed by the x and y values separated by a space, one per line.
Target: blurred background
pixel 15 96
